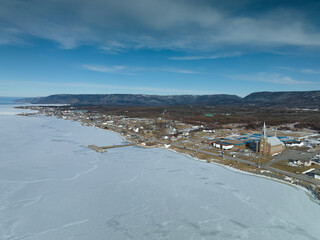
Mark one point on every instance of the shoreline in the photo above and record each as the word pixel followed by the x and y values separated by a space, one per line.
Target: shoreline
pixel 307 187
pixel 308 192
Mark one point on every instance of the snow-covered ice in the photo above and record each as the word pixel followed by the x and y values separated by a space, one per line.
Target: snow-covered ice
pixel 53 187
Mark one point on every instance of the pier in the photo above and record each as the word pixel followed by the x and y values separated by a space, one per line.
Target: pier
pixel 118 146
pixel 103 148
pixel 96 148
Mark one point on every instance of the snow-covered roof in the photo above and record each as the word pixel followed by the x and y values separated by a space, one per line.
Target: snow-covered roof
pixel 274 141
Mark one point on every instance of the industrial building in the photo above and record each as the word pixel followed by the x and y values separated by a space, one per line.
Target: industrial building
pixel 260 143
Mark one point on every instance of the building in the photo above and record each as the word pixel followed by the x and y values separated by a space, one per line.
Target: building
pixel 236 143
pixel 269 145
pixel 316 174
pixel 294 144
pixel 302 162
pixel 222 145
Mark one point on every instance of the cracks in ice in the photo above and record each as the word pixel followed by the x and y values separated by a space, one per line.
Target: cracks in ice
pixel 20 203
pixel 77 175
pixel 132 179
pixel 67 225
pixel 290 228
pixel 81 173
pixel 118 227
pixel 30 201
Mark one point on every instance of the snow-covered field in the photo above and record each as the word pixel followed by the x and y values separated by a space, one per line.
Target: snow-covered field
pixel 52 186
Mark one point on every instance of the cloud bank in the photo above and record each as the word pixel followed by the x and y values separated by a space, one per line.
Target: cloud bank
pixel 269 78
pixel 156 24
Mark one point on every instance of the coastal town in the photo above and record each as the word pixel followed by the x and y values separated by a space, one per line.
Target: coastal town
pixel 290 156
pixel 159 120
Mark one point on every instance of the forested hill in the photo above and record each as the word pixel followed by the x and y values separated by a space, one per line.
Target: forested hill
pixel 135 99
pixel 301 99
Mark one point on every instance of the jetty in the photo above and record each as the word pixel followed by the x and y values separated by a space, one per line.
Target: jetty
pixel 96 148
pixel 103 148
pixel 118 146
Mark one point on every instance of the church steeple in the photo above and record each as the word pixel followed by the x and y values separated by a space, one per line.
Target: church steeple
pixel 264 131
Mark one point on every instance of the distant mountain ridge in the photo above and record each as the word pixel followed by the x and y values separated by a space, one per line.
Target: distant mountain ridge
pixel 300 99
pixel 134 99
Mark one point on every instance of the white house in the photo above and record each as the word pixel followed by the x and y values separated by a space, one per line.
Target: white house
pixel 306 163
pixel 295 144
pixel 316 174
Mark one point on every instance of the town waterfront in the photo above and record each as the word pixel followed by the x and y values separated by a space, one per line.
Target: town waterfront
pixel 54 187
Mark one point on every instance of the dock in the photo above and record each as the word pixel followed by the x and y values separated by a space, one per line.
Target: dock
pixel 103 148
pixel 96 148
pixel 118 146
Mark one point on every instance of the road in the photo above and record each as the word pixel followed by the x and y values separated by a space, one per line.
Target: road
pixel 249 163
pixel 296 176
pixel 290 154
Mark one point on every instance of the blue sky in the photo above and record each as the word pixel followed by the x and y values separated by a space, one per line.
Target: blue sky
pixel 158 47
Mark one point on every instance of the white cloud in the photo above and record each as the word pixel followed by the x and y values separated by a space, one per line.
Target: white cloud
pixel 177 70
pixel 132 70
pixel 10 36
pixel 113 47
pixel 305 70
pixel 269 78
pixel 310 71
pixel 287 68
pixel 227 55
pixel 97 68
